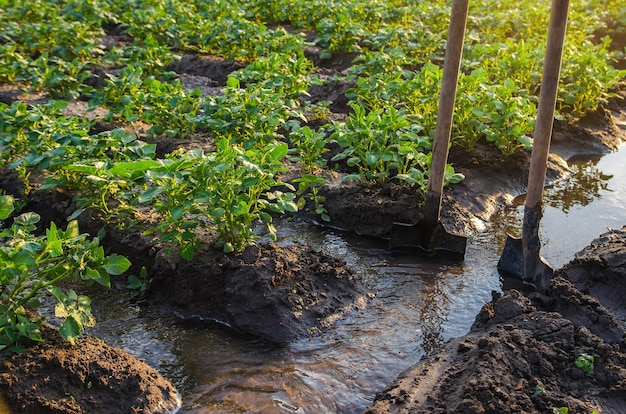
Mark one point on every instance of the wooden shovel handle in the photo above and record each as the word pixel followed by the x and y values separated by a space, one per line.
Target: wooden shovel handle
pixel 547 102
pixel 445 112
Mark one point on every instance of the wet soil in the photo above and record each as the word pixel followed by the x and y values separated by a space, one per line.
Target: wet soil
pixel 89 377
pixel 275 293
pixel 520 354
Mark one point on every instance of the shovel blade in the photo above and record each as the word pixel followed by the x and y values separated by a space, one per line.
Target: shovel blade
pixel 511 263
pixel 449 244
pixel 429 242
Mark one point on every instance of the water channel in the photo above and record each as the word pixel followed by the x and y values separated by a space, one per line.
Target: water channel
pixel 419 304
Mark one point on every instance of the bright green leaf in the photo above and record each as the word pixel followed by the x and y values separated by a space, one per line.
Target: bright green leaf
pixel 116 265
pixel 240 208
pixel 150 194
pixel 6 206
pixel 70 329
pixel 187 252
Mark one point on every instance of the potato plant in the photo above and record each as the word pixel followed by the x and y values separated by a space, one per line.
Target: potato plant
pixel 250 115
pixel 167 106
pixel 228 191
pixel 380 144
pixel 34 266
pixel 146 53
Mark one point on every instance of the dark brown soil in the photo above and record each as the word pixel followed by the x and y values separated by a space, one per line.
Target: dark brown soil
pixel 90 377
pixel 520 354
pixel 275 293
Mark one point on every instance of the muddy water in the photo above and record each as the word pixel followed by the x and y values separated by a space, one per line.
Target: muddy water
pixel 419 304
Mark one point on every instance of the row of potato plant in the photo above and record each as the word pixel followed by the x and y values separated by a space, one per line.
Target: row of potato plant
pixel 113 172
pixel 394 38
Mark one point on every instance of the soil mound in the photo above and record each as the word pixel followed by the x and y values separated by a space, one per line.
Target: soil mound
pixel 275 293
pixel 521 353
pixel 89 377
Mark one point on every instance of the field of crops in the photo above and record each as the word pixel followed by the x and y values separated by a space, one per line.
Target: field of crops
pixel 122 60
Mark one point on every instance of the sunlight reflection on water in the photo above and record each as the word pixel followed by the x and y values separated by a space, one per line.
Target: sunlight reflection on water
pixel 579 208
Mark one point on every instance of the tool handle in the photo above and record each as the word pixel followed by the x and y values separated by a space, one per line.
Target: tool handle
pixel 547 103
pixel 445 112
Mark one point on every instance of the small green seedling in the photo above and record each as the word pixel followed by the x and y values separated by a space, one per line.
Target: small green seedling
pixel 585 362
pixel 139 284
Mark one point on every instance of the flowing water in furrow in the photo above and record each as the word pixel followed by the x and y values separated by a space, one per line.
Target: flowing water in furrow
pixel 419 304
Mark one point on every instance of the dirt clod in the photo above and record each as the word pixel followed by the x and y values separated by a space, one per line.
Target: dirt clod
pixel 89 377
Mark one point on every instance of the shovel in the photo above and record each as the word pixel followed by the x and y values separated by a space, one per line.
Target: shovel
pixel 522 257
pixel 428 235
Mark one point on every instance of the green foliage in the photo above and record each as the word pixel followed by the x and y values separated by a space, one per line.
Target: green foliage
pixel 96 185
pixel 416 93
pixel 520 60
pixel 409 46
pixel 97 167
pixel 59 78
pixel 167 106
pixel 6 206
pixel 243 40
pixel 48 49
pixel 12 63
pixel 139 285
pixel 38 136
pixel 284 74
pixel 590 78
pixel 243 195
pixel 250 116
pixel 308 189
pixel 339 33
pixel 51 33
pixel 228 191
pixel 145 53
pixel 502 113
pixel 381 144
pixel 585 362
pixel 35 265
pixel 158 20
pixel 389 61
pixel 309 147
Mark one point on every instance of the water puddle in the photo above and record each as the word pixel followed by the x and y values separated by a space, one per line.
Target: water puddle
pixel 577 209
pixel 419 304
